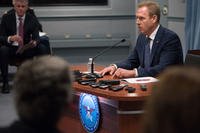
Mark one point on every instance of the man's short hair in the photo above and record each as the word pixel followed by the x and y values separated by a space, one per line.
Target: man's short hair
pixel 42 90
pixel 153 7
pixel 23 1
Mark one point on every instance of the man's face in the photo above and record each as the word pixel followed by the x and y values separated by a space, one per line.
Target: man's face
pixel 20 8
pixel 146 24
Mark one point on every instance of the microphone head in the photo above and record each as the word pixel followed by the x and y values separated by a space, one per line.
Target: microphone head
pixel 123 40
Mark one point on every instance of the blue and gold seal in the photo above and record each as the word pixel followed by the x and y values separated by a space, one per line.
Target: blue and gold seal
pixel 89 112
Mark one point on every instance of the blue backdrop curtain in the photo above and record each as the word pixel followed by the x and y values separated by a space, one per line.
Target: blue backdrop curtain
pixel 192 25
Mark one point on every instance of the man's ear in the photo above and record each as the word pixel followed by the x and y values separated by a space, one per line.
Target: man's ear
pixel 155 18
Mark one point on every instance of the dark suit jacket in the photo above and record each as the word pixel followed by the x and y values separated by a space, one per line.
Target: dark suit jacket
pixel 166 51
pixel 21 127
pixel 8 27
pixel 1 40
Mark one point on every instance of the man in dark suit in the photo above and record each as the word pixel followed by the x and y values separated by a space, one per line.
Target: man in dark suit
pixel 156 47
pixel 44 39
pixel 20 38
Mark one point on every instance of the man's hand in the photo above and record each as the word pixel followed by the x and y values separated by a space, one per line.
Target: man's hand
pixel 16 38
pixel 110 70
pixel 123 73
pixel 32 44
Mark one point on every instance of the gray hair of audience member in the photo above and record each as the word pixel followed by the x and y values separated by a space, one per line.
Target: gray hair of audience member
pixel 43 90
pixel 23 1
pixel 174 105
pixel 153 7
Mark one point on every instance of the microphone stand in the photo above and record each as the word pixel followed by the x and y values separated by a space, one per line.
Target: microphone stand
pixel 92 66
pixel 92 74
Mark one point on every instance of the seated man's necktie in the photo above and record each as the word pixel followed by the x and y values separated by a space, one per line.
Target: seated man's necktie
pixel 147 53
pixel 21 34
pixel 21 28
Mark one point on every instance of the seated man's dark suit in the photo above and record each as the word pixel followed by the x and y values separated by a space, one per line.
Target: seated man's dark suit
pixel 166 51
pixel 43 39
pixel 8 51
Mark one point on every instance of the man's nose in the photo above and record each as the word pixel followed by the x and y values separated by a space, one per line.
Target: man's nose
pixel 137 21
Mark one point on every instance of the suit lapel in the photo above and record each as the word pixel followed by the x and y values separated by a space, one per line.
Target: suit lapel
pixel 25 25
pixel 156 42
pixel 14 23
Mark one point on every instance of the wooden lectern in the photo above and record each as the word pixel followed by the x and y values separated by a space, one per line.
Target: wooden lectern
pixel 120 111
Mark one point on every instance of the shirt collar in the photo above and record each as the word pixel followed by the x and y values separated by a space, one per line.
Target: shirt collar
pixel 17 17
pixel 153 34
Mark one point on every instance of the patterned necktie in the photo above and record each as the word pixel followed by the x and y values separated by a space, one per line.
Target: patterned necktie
pixel 21 28
pixel 147 54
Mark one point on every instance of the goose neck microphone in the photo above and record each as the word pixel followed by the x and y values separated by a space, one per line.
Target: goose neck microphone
pixel 102 52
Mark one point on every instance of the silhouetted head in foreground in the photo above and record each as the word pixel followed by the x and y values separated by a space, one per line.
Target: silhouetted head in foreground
pixel 42 91
pixel 174 104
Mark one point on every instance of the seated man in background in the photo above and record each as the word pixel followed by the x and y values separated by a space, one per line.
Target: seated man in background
pixel 174 105
pixel 44 39
pixel 20 38
pixel 43 90
pixel 156 47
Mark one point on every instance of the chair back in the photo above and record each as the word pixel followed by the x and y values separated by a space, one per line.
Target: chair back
pixel 193 58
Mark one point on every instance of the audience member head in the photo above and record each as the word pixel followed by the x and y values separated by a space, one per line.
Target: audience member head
pixel 174 105
pixel 20 6
pixel 42 91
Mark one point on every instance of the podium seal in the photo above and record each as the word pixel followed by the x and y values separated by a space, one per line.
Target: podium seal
pixel 89 112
